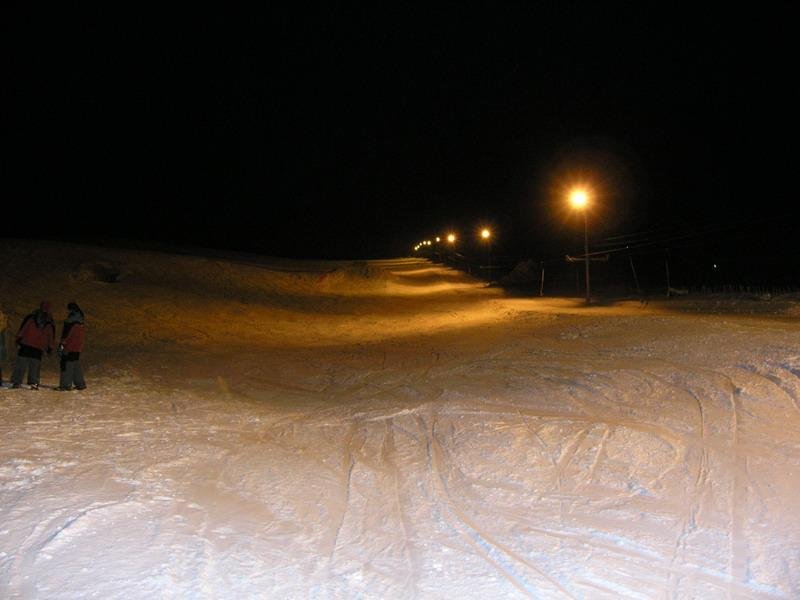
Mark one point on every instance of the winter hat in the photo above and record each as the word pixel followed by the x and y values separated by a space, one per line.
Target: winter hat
pixel 45 306
pixel 73 307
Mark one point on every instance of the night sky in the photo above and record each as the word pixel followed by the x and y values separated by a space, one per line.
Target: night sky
pixel 335 132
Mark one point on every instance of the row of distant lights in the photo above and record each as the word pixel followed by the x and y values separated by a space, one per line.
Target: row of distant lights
pixel 578 198
pixel 451 239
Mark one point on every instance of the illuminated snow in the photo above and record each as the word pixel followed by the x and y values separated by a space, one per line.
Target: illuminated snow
pixel 394 429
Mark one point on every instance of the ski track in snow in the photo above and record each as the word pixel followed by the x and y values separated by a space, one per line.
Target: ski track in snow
pixel 542 454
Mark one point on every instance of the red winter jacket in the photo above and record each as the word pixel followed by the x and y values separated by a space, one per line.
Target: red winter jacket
pixel 40 338
pixel 73 338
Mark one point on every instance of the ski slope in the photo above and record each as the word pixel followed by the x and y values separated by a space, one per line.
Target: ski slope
pixel 262 428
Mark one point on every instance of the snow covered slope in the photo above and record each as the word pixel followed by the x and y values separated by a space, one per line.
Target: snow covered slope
pixel 263 428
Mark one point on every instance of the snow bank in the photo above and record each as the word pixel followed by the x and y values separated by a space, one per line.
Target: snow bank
pixel 153 300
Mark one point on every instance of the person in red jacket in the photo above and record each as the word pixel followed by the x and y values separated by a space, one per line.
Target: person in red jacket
pixel 3 324
pixel 36 335
pixel 73 335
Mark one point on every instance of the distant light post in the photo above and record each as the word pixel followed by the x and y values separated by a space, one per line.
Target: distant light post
pixel 580 201
pixel 451 239
pixel 486 235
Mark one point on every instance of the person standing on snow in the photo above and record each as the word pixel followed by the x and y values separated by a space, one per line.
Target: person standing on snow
pixel 3 325
pixel 36 335
pixel 73 335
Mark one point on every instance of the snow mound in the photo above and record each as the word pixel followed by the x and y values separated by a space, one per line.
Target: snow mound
pixel 103 272
pixel 162 300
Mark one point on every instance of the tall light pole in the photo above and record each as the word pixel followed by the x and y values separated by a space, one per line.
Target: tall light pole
pixel 579 199
pixel 486 235
pixel 451 239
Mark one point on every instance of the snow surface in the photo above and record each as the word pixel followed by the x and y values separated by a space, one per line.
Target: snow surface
pixel 259 428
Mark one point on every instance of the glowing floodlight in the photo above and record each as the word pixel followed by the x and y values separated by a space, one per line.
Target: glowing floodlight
pixel 578 198
pixel 451 238
pixel 438 239
pixel 486 234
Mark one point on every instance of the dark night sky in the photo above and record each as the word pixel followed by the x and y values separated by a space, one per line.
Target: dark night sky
pixel 353 132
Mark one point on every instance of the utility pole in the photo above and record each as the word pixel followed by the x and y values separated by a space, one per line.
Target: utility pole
pixel 666 264
pixel 541 281
pixel 586 252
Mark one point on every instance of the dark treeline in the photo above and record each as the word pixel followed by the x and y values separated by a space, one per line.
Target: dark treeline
pixel 748 256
